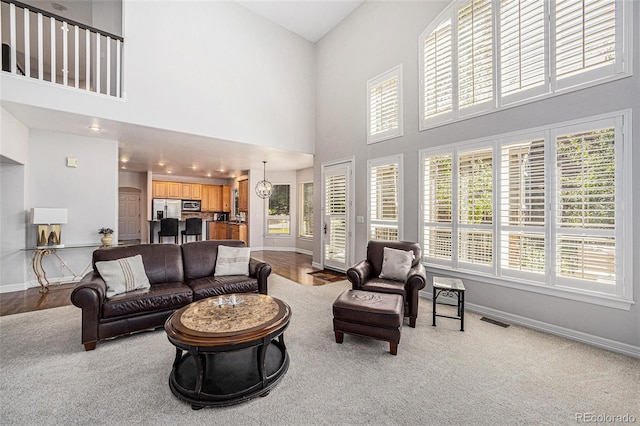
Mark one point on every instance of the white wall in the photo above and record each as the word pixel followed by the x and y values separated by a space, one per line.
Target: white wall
pixel 304 245
pixel 209 68
pixel 14 139
pixel 88 192
pixel 358 50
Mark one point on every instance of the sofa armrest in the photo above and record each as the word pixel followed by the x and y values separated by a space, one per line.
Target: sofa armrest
pixel 261 271
pixel 359 274
pixel 89 295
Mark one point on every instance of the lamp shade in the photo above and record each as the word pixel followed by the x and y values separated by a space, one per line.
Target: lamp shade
pixel 47 216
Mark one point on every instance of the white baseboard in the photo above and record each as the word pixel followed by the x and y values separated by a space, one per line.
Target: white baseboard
pixel 578 336
pixel 317 265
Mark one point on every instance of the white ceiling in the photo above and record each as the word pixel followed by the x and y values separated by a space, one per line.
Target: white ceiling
pixel 145 149
pixel 310 19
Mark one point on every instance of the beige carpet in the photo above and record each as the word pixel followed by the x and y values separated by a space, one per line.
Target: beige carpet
pixel 486 375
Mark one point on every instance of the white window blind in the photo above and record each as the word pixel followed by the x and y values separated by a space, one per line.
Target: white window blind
pixel 585 35
pixel 586 205
pixel 437 204
pixel 537 48
pixel 438 71
pixel 385 106
pixel 335 196
pixel 522 46
pixel 522 206
pixel 385 198
pixel 475 206
pixel 475 53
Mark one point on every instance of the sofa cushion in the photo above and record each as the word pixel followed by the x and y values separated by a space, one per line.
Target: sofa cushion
pixel 123 275
pixel 396 264
pixel 200 257
pixel 162 262
pixel 159 297
pixel 232 261
pixel 216 286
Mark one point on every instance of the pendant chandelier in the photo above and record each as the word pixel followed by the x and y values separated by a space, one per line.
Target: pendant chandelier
pixel 264 189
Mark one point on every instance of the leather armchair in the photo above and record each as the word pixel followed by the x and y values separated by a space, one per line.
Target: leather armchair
pixel 365 275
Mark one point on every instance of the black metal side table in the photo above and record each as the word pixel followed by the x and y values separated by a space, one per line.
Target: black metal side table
pixel 449 287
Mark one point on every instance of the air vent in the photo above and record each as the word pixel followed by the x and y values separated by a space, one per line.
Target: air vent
pixel 58 7
pixel 494 322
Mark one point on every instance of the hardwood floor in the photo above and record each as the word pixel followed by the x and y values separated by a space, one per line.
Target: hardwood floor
pixel 293 266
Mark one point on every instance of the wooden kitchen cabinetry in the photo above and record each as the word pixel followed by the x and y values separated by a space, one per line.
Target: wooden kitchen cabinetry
pixel 211 198
pixel 159 189
pixel 239 232
pixel 226 198
pixel 196 191
pixel 178 190
pixel 174 190
pixel 243 195
pixel 228 231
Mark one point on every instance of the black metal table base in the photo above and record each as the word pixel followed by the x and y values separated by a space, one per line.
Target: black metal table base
pixel 227 378
pixel 449 292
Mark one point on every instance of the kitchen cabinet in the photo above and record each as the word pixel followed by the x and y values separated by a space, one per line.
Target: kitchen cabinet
pixel 226 198
pixel 211 198
pixel 159 189
pixel 196 191
pixel 185 191
pixel 218 231
pixel 174 190
pixel 239 232
pixel 243 195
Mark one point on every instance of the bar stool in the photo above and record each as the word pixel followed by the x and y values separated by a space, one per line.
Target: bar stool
pixel 193 226
pixel 168 228
pixel 449 287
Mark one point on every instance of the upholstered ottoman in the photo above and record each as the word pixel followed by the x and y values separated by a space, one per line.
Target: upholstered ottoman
pixel 368 314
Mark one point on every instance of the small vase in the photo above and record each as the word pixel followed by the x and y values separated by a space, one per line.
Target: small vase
pixel 107 239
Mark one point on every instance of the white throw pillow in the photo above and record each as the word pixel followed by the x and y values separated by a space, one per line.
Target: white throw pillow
pixel 396 264
pixel 123 275
pixel 232 261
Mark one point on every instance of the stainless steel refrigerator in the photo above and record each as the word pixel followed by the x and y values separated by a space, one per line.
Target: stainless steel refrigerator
pixel 166 208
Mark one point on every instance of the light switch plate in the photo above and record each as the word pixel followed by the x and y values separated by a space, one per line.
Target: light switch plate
pixel 72 162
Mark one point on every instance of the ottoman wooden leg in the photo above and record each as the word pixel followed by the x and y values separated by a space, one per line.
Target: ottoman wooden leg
pixel 339 336
pixel 393 348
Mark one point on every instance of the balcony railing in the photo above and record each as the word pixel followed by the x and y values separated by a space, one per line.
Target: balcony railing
pixel 38 44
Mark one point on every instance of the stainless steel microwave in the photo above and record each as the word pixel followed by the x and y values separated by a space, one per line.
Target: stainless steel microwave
pixel 190 205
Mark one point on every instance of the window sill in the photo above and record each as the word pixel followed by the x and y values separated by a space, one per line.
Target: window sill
pixel 608 301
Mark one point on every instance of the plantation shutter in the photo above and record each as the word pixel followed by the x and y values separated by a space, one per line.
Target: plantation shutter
pixel 384 203
pixel 585 35
pixel 475 206
pixel 438 71
pixel 385 106
pixel 475 53
pixel 522 204
pixel 522 45
pixel 335 199
pixel 438 204
pixel 586 207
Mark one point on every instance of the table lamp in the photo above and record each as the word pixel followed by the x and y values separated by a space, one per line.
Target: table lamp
pixel 48 221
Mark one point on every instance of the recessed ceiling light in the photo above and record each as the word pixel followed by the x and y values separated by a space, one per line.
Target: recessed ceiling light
pixel 160 163
pixel 221 170
pixel 95 128
pixel 193 167
pixel 124 160
pixel 123 167
pixel 208 174
pixel 169 171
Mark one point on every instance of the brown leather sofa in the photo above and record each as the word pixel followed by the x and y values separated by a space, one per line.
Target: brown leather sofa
pixel 365 275
pixel 178 276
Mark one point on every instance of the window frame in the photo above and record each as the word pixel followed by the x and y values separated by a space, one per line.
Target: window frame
pixel 552 87
pixel 301 213
pixel 620 294
pixel 380 162
pixel 395 72
pixel 269 217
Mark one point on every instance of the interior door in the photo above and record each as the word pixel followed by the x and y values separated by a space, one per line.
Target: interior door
pixel 128 216
pixel 336 207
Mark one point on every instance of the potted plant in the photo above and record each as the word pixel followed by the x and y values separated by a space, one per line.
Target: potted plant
pixel 106 239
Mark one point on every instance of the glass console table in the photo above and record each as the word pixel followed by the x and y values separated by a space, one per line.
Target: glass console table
pixel 40 252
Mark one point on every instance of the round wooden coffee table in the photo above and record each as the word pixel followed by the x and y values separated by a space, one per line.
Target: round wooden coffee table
pixel 227 354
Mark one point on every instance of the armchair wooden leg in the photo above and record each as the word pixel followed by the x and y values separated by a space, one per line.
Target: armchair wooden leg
pixel 339 336
pixel 89 346
pixel 412 322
